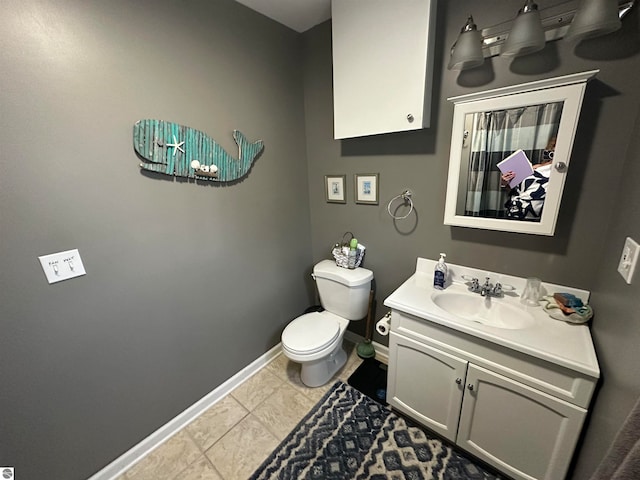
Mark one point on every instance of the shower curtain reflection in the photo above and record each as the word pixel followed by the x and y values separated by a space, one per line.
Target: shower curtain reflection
pixel 497 134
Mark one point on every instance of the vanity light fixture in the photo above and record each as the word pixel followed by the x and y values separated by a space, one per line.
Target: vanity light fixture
pixel 592 18
pixel 526 35
pixel 467 51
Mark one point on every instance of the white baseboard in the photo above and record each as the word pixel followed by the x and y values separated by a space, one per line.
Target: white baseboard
pixel 139 451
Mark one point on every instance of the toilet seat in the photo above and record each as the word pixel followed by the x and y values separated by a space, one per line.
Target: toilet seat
pixel 311 333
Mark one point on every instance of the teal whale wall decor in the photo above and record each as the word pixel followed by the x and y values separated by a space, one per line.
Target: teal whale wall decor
pixel 173 149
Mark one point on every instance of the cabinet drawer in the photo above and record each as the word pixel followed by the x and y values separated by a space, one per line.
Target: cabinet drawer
pixel 550 378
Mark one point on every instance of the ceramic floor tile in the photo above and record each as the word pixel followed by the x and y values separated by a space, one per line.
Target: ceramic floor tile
pixel 284 368
pixel 257 389
pixel 241 451
pixel 316 393
pixel 216 421
pixel 201 469
pixel 166 461
pixel 236 442
pixel 283 410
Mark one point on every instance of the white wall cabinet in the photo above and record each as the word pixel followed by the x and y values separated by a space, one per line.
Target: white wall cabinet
pixel 382 65
pixel 485 399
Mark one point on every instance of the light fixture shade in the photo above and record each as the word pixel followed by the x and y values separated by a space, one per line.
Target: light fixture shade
pixel 594 18
pixel 467 51
pixel 526 35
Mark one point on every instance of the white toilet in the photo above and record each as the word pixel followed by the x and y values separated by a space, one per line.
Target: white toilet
pixel 315 339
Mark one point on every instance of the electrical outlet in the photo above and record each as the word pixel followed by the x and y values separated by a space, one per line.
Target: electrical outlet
pixel 628 259
pixel 62 266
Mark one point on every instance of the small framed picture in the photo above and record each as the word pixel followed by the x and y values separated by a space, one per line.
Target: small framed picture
pixel 366 188
pixel 334 188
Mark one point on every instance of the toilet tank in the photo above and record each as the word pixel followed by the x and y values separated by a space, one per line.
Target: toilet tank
pixel 343 291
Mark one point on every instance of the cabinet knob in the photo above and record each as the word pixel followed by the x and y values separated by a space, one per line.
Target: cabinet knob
pixel 458 381
pixel 560 166
pixel 410 118
pixel 470 386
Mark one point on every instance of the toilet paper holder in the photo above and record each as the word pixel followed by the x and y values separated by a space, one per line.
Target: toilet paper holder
pixel 383 325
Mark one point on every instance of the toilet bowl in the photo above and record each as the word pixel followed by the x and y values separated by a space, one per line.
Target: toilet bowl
pixel 315 339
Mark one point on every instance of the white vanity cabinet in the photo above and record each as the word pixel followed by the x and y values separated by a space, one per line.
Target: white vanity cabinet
pixel 382 65
pixel 517 413
pixel 503 381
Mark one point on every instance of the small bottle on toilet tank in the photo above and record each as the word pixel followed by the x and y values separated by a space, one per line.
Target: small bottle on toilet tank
pixel 352 257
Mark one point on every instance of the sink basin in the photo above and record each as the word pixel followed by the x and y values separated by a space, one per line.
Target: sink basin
pixel 489 311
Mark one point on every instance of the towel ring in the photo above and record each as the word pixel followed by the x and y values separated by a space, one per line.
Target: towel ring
pixel 406 198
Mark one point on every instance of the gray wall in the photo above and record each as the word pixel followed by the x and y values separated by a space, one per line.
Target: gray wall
pixel 598 209
pixel 186 283
pixel 189 283
pixel 616 329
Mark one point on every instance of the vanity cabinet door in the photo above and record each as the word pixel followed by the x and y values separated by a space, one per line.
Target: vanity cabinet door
pixel 520 430
pixel 426 384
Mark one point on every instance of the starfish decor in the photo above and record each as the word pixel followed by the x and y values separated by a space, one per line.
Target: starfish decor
pixel 176 146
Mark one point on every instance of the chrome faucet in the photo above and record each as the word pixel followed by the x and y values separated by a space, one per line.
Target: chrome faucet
pixel 486 288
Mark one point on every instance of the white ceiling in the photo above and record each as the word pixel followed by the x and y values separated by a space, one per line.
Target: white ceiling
pixel 299 15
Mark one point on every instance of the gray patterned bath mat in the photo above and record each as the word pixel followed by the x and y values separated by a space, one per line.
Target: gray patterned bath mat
pixel 347 435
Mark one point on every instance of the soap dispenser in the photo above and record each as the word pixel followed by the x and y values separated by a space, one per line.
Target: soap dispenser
pixel 440 273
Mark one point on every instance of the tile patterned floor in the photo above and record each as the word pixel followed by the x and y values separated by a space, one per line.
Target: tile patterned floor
pixel 261 412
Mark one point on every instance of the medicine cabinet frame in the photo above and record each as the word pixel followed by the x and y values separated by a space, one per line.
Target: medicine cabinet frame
pixel 569 90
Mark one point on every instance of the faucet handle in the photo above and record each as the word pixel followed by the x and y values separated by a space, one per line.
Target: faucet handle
pixel 472 282
pixel 497 290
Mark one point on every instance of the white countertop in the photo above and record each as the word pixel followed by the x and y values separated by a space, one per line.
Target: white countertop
pixel 559 342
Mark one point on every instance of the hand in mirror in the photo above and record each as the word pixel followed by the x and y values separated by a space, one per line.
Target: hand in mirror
pixel 506 178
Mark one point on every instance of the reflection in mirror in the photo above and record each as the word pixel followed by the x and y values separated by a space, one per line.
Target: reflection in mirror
pixel 510 152
pixel 495 135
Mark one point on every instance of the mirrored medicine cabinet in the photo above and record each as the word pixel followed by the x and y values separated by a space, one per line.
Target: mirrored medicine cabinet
pixel 510 153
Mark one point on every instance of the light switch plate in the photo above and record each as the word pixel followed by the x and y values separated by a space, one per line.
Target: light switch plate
pixel 628 259
pixel 62 266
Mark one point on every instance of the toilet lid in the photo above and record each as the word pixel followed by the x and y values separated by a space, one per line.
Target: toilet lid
pixel 311 332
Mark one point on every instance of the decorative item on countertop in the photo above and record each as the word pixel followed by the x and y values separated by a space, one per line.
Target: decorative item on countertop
pixel 173 149
pixel 566 307
pixel 346 256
